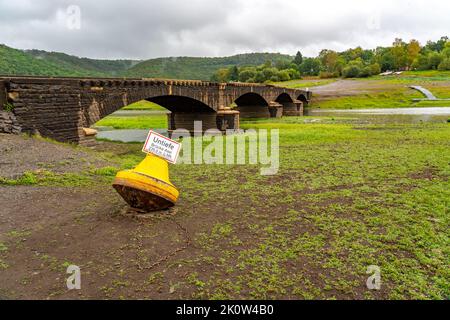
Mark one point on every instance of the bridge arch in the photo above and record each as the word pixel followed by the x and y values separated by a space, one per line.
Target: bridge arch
pixel 302 97
pixel 184 110
pixel 70 105
pixel 284 98
pixel 290 107
pixel 252 105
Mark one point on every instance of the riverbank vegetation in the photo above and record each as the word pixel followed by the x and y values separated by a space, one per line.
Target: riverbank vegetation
pixel 384 91
pixel 154 121
pixel 352 63
pixel 144 105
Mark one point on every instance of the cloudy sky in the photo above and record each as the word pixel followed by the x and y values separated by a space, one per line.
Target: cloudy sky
pixel 157 28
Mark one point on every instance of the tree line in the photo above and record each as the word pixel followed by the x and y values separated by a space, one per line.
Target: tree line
pixel 352 63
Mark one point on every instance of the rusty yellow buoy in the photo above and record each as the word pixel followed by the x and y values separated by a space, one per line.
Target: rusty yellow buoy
pixel 147 187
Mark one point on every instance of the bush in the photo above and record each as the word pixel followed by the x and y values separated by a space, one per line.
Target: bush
pixel 245 75
pixel 274 78
pixel 421 63
pixel 269 73
pixel 326 75
pixel 365 72
pixel 375 69
pixel 434 59
pixel 259 77
pixel 310 67
pixel 351 71
pixel 444 65
pixel 284 75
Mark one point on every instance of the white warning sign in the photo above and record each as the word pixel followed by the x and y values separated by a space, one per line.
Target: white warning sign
pixel 162 146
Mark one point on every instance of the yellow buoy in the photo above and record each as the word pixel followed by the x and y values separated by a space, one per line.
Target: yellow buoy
pixel 147 187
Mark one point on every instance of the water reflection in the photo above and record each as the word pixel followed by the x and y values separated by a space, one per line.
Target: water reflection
pixel 393 115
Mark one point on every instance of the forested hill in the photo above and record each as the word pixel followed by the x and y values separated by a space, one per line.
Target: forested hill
pixel 38 62
pixel 199 68
pixel 18 62
pixel 91 66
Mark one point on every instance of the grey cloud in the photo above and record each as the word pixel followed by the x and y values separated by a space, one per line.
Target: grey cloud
pixel 145 29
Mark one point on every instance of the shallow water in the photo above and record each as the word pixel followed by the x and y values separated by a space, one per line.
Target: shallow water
pixel 393 115
pixel 379 116
pixel 388 111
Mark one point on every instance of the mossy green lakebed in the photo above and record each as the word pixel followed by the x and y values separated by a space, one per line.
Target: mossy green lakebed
pixel 346 196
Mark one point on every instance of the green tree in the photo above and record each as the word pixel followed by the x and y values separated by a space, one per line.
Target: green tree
pixel 444 65
pixel 387 61
pixel 329 60
pixel 274 78
pixel 354 69
pixel 421 63
pixel 269 73
pixel 259 77
pixel 293 73
pixel 446 51
pixel 310 67
pixel 351 71
pixel 234 73
pixel 399 54
pixel 246 74
pixel 298 60
pixel 413 50
pixel 284 75
pixel 283 64
pixel 375 69
pixel 367 55
pixel 340 64
pixel 221 75
pixel 434 59
pixel 437 46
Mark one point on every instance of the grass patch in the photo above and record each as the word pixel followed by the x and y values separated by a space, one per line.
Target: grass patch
pixel 298 84
pixel 144 105
pixel 156 121
pixel 48 178
pixel 423 104
pixel 415 77
pixel 346 196
pixel 27 178
pixel 395 98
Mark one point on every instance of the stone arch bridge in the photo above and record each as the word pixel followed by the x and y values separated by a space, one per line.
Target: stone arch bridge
pixel 61 108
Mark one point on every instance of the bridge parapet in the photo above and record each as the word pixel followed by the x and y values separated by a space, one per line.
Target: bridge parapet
pixel 61 107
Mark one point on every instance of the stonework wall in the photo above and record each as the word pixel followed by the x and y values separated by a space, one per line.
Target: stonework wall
pixel 60 108
pixel 49 110
pixel 8 123
pixel 292 109
pixel 253 112
pixel 186 121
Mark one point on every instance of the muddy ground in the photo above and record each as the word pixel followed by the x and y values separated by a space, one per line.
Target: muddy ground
pixel 346 197
pixel 47 228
